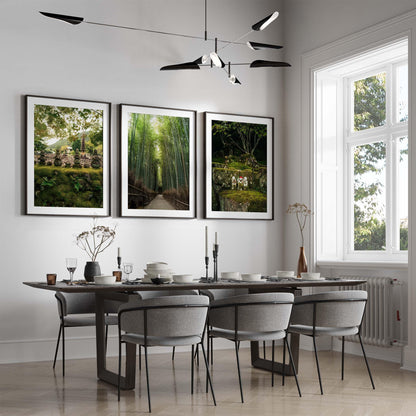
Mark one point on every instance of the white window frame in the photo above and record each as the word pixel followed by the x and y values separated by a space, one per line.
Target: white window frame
pixel 346 139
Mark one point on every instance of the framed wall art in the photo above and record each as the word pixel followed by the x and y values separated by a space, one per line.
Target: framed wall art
pixel 239 167
pixel 157 162
pixel 67 157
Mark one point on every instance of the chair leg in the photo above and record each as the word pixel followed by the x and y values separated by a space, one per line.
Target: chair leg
pixel 173 353
pixel 63 351
pixel 208 374
pixel 119 369
pixel 106 338
pixel 284 361
pixel 147 378
pixel 342 358
pixel 208 360
pixel 317 365
pixel 212 351
pixel 292 365
pixel 264 349
pixel 238 368
pixel 366 362
pixel 57 345
pixel 272 362
pixel 192 369
pixel 140 357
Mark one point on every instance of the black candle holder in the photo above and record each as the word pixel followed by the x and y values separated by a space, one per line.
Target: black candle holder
pixel 119 262
pixel 206 267
pixel 215 256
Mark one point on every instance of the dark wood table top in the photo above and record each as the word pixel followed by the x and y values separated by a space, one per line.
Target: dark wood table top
pixel 263 284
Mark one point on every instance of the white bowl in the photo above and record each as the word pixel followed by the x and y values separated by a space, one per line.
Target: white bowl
pixel 251 277
pixel 104 280
pixel 230 275
pixel 158 265
pixel 310 275
pixel 285 273
pixel 182 278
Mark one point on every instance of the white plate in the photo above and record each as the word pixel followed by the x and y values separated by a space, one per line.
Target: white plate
pixel 106 284
pixel 304 279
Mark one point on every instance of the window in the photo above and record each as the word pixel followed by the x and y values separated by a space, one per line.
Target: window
pixel 361 157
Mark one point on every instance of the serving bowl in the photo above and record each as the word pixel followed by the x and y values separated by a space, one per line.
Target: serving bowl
pixel 251 277
pixel 182 278
pixel 231 275
pixel 104 280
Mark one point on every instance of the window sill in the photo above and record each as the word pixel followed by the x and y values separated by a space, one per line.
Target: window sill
pixel 363 264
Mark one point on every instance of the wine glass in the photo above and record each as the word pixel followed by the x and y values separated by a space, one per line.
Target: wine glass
pixel 127 268
pixel 71 265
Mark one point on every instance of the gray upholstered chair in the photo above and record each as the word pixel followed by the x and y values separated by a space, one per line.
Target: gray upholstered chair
pixel 252 317
pixel 151 294
pixel 338 313
pixel 216 294
pixel 164 321
pixel 76 310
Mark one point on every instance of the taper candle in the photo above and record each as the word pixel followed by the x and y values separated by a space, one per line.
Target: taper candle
pixel 216 237
pixel 206 241
pixel 118 252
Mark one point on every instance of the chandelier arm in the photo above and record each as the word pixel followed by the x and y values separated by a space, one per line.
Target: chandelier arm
pixel 163 33
pixel 236 41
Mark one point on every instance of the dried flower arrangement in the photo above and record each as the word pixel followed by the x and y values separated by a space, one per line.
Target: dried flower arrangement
pixel 302 212
pixel 96 240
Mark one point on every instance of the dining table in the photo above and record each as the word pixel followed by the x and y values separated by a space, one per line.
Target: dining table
pixel 125 292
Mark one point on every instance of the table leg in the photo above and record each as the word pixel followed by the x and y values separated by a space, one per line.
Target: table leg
pixel 264 364
pixel 258 362
pixel 128 381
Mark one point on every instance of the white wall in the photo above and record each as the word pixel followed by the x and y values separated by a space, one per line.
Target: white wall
pixel 44 57
pixel 328 28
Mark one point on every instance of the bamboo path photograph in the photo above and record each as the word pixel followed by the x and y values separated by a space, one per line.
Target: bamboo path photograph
pixel 159 158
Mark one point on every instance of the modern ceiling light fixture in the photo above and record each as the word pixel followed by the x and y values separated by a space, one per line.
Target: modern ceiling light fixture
pixel 208 60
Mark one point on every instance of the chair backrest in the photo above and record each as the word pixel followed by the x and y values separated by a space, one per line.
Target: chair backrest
pixel 257 312
pixel 167 316
pixel 82 303
pixel 75 303
pixel 150 294
pixel 215 294
pixel 337 309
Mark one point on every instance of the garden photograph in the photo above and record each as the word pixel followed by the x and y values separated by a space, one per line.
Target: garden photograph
pixel 68 156
pixel 239 166
pixel 158 158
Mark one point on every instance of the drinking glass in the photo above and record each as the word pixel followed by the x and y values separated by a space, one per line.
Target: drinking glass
pixel 127 268
pixel 71 265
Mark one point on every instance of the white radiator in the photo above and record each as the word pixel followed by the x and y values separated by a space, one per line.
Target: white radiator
pixel 377 327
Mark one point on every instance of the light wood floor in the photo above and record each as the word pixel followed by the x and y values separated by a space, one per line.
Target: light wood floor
pixel 34 389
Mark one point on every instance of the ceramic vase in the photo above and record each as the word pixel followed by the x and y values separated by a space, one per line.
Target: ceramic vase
pixel 302 263
pixel 92 268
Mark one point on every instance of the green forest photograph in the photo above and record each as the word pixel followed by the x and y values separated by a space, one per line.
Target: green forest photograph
pixel 158 159
pixel 67 156
pixel 239 179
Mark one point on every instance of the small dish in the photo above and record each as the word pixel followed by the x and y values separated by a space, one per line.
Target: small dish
pixel 285 273
pixel 183 278
pixel 105 280
pixel 310 276
pixel 251 277
pixel 160 280
pixel 230 275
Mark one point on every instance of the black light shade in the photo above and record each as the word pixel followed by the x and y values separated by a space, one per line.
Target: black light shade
pixel 178 67
pixel 73 20
pixel 255 46
pixel 266 64
pixel 262 24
